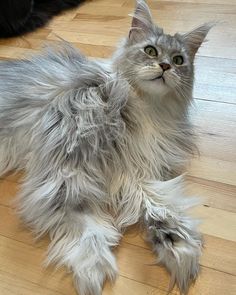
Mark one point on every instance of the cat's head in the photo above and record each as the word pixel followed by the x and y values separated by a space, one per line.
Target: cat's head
pixel 155 62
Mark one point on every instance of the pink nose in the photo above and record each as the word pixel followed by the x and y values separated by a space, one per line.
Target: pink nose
pixel 164 66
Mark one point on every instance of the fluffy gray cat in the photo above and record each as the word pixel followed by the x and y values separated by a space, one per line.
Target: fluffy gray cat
pixel 101 143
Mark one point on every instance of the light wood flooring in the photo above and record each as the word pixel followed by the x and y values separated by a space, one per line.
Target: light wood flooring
pixel 95 27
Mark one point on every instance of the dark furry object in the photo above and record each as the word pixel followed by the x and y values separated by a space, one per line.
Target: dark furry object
pixel 20 17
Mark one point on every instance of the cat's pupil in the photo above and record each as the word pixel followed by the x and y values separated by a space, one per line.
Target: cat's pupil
pixel 178 60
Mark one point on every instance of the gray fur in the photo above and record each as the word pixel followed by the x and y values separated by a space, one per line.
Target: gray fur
pixel 100 142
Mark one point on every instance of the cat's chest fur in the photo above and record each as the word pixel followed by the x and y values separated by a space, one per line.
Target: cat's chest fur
pixel 155 145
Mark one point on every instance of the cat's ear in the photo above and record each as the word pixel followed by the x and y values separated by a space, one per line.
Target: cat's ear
pixel 142 22
pixel 194 38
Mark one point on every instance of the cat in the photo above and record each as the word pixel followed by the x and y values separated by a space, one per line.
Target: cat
pixel 101 143
pixel 20 17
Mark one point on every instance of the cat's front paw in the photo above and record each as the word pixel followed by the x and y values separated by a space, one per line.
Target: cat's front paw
pixel 179 250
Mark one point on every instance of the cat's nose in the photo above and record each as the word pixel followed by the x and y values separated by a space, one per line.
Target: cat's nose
pixel 164 66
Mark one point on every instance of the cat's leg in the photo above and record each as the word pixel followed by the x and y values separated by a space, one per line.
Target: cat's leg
pixel 82 234
pixel 83 242
pixel 173 234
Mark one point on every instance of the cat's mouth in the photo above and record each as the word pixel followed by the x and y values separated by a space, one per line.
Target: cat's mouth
pixel 158 78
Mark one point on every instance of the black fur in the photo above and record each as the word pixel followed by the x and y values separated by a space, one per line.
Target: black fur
pixel 18 17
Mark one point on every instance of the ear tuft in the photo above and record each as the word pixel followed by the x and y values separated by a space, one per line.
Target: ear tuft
pixel 194 38
pixel 142 21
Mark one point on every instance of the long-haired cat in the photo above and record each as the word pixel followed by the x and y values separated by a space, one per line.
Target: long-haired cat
pixel 100 142
pixel 18 17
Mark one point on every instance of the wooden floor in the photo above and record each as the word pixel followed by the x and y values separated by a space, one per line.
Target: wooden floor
pixel 95 28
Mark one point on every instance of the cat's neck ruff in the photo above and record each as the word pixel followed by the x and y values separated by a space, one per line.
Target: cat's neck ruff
pixel 166 106
pixel 154 137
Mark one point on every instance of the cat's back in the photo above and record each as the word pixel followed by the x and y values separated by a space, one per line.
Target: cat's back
pixel 57 69
pixel 58 76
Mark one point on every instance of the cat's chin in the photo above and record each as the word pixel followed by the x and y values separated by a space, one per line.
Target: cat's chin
pixel 155 87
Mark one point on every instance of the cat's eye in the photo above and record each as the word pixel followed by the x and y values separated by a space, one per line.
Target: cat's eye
pixel 150 50
pixel 178 60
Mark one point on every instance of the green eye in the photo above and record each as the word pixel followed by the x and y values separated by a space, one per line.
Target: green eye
pixel 150 50
pixel 178 60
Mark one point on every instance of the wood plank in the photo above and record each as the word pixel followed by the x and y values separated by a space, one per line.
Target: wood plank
pixel 154 3
pixel 137 263
pixel 215 79
pixel 8 191
pixel 217 222
pixel 213 169
pixel 91 37
pixel 213 194
pixel 164 10
pixel 11 227
pixel 213 123
pixel 28 266
pixel 15 52
pixel 218 254
pixel 12 285
pixel 12 176
pixel 38 44
pixel 125 286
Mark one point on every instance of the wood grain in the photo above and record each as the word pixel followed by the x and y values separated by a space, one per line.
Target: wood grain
pixel 95 28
